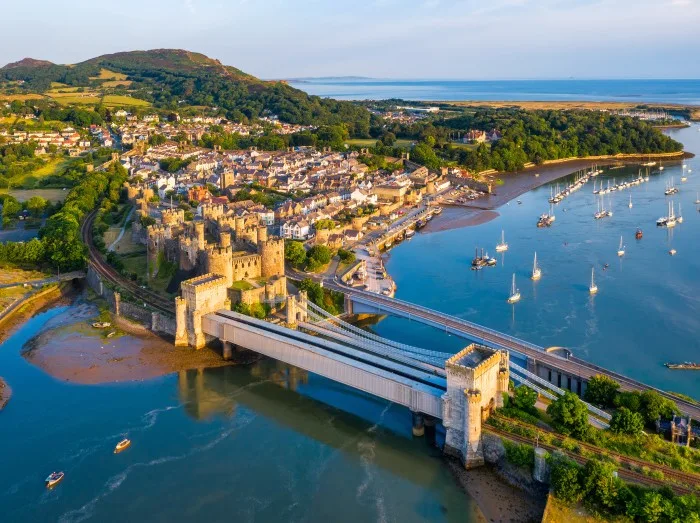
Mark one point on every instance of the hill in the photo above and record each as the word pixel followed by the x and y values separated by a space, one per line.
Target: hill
pixel 171 78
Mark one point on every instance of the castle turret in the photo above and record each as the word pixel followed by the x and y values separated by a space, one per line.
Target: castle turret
pixel 262 234
pixel 473 453
pixel 272 257
pixel 180 322
pixel 225 239
pixel 219 260
pixel 199 235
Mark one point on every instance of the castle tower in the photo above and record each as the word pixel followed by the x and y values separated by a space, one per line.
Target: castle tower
pixel 272 257
pixel 180 322
pixel 219 260
pixel 262 234
pixel 239 227
pixel 225 239
pixel 199 235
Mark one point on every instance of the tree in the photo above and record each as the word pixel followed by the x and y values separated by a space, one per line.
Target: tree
pixel 601 390
pixel 624 421
pixel 651 507
pixel 524 398
pixel 36 205
pixel 629 399
pixel 295 254
pixel 320 254
pixel 654 405
pixel 569 414
pixel 346 256
pixel 601 487
pixel 389 139
pixel 565 481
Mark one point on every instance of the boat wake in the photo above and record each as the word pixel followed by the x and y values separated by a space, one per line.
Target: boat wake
pixel 87 510
pixel 152 415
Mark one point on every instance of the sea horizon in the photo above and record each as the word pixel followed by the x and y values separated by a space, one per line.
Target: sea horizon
pixel 657 91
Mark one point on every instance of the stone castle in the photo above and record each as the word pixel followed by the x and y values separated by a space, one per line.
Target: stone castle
pixel 230 258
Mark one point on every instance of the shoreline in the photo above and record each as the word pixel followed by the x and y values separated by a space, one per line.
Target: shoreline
pixel 71 350
pixel 5 393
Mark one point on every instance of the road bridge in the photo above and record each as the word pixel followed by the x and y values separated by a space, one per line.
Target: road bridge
pixel 566 372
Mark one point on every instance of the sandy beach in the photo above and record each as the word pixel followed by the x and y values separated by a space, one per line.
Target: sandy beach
pixel 456 217
pixel 70 349
pixel 498 501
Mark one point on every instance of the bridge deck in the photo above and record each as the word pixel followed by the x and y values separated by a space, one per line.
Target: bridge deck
pixel 475 332
pixel 417 390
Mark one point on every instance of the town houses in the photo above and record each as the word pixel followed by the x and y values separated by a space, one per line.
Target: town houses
pixel 288 191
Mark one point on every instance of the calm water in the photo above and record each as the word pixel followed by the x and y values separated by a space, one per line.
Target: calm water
pixel 228 444
pixel 647 311
pixel 667 91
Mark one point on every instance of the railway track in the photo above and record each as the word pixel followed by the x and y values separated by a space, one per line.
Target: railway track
pixel 628 475
pixel 680 477
pixel 106 271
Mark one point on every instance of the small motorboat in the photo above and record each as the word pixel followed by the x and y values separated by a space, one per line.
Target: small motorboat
pixel 592 288
pixel 639 234
pixel 54 479
pixel 672 252
pixel 122 445
pixel 519 202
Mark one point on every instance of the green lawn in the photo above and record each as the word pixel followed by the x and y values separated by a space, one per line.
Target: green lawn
pixel 242 285
pixel 371 142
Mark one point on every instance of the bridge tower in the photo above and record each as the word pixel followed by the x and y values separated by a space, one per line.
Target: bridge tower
pixel 200 296
pixel 477 377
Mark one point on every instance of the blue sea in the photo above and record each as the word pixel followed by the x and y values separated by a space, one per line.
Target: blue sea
pixel 641 91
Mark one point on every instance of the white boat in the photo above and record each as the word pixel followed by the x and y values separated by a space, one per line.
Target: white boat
pixel 697 198
pixel 593 288
pixel 672 252
pixel 679 218
pixel 684 178
pixel 536 271
pixel 503 246
pixel 123 444
pixel 630 204
pixel 621 249
pixel 514 293
pixel 54 479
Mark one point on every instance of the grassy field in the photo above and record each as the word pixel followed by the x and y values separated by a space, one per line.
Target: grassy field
pixel 371 142
pixel 29 180
pixel 116 83
pixel 106 74
pixel 74 98
pixel 13 275
pixel 58 90
pixel 112 100
pixel 21 97
pixel 241 285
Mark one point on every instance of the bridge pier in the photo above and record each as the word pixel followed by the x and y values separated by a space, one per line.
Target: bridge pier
pixel 418 424
pixel 227 351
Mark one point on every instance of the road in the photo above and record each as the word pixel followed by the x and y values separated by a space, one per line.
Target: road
pixel 54 279
pixel 121 233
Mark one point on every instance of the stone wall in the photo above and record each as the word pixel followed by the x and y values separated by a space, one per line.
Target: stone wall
pixel 156 321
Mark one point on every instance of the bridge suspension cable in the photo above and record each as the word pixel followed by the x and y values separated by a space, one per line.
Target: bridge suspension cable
pixel 361 332
pixel 381 343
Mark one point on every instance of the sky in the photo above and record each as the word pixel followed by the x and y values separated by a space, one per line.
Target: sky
pixel 436 39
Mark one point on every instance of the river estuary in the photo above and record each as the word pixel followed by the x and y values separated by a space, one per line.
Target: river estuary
pixel 269 443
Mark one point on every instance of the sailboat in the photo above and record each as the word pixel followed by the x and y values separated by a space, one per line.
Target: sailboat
pixel 679 218
pixel 514 293
pixel 536 271
pixel 593 288
pixel 503 246
pixel 697 198
pixel 630 204
pixel 621 249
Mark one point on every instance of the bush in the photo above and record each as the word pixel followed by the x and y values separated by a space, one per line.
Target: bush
pixel 346 256
pixel 570 415
pixel 519 455
pixel 565 482
pixel 624 421
pixel 319 253
pixel 524 398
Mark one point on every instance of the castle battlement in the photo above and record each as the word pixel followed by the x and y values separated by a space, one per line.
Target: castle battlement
pixel 473 361
pixel 203 282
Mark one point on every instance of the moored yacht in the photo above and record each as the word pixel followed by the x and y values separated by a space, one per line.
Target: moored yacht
pixel 514 293
pixel 621 248
pixel 503 246
pixel 536 271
